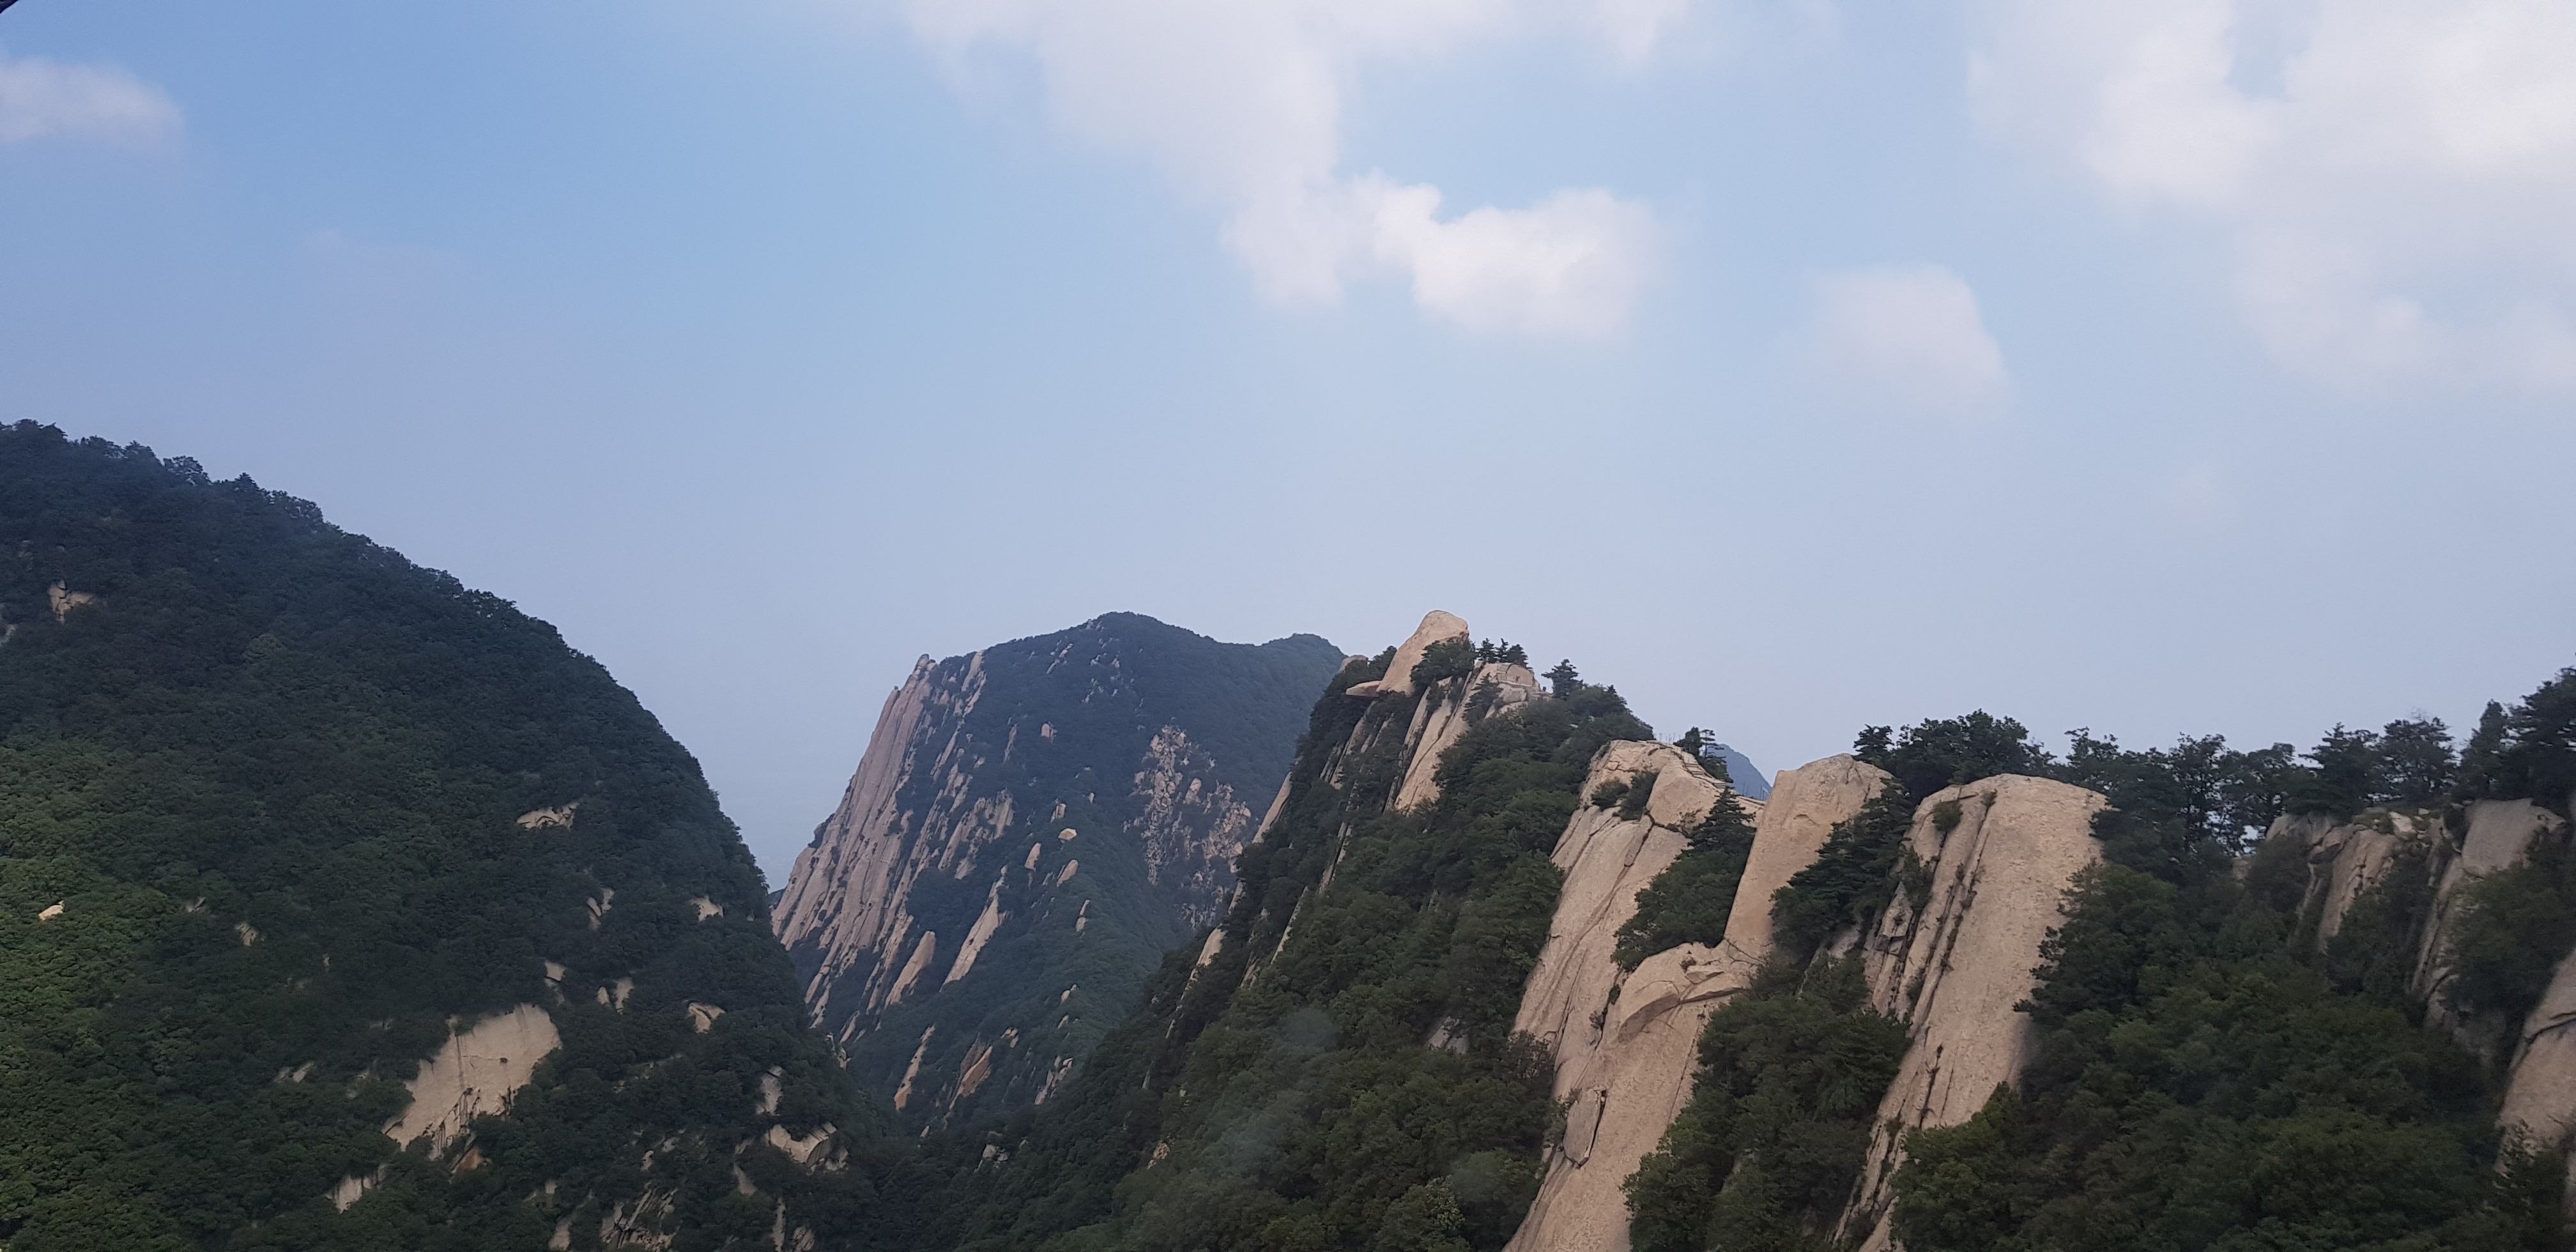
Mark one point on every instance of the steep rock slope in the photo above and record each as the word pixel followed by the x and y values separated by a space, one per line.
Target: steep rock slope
pixel 1953 955
pixel 1625 1043
pixel 1031 827
pixel 1335 1066
pixel 2436 856
pixel 342 906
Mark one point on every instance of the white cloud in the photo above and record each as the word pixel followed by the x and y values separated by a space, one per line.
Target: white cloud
pixel 2394 176
pixel 43 99
pixel 1907 338
pixel 1242 104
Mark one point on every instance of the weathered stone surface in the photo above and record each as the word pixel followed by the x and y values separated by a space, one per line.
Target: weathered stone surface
pixel 474 1073
pixel 846 893
pixel 1001 791
pixel 2499 833
pixel 2540 1097
pixel 63 600
pixel 1493 688
pixel 978 935
pixel 1626 1046
pixel 1806 804
pixel 1192 827
pixel 1436 627
pixel 1953 969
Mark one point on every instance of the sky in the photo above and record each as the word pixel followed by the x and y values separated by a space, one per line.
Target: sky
pixel 2152 366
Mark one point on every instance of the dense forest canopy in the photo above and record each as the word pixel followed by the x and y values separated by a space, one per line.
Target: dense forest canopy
pixel 2210 1075
pixel 260 791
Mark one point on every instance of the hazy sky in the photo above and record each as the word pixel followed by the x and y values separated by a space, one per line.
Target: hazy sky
pixel 2148 365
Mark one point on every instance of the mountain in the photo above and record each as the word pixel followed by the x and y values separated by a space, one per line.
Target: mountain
pixel 1503 972
pixel 1031 828
pixel 1747 776
pixel 342 906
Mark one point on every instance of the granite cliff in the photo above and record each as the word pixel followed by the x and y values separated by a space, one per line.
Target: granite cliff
pixel 1625 1043
pixel 1031 826
pixel 2437 857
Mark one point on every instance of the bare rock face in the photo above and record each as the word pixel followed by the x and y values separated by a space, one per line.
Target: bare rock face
pixel 1436 627
pixel 1494 687
pixel 1069 802
pixel 846 895
pixel 1627 1044
pixel 2347 858
pixel 474 1073
pixel 2499 834
pixel 1403 731
pixel 1952 962
pixel 1192 825
pixel 1805 805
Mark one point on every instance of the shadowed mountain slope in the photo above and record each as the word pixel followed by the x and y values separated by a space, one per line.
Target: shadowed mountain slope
pixel 342 906
pixel 1032 826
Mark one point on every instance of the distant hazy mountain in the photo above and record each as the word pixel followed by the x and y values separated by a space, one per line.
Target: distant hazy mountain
pixel 1031 828
pixel 1747 776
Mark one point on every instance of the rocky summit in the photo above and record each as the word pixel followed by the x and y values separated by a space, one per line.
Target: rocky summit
pixel 1032 827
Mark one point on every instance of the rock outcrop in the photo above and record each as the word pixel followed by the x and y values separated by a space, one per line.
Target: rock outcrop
pixel 1436 627
pixel 1627 1044
pixel 2452 850
pixel 1953 961
pixel 1401 735
pixel 474 1073
pixel 2497 834
pixel 1493 687
pixel 1069 802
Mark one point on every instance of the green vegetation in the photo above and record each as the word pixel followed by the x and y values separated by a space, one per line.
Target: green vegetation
pixel 2512 926
pixel 1947 752
pixel 1852 880
pixel 2199 1087
pixel 1767 1152
pixel 2207 1077
pixel 272 773
pixel 2528 753
pixel 1449 658
pixel 1700 746
pixel 1343 1073
pixel 1629 796
pixel 1689 902
pixel 2207 1080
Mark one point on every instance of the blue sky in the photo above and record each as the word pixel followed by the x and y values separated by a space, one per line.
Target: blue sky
pixel 2191 366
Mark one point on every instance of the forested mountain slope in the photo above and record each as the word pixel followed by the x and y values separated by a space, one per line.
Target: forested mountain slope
pixel 1032 827
pixel 343 907
pixel 1953 991
pixel 1336 1061
pixel 301 846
